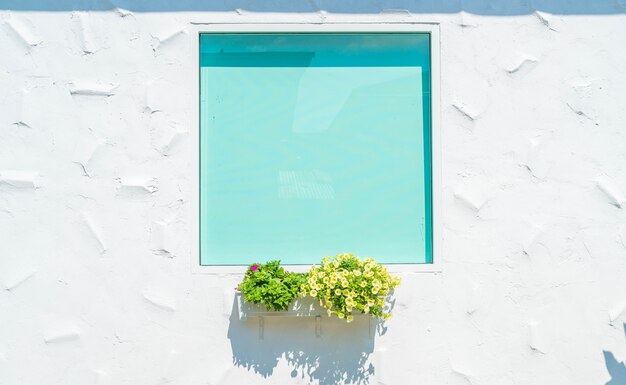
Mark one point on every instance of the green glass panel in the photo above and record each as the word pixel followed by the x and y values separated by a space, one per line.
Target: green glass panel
pixel 313 145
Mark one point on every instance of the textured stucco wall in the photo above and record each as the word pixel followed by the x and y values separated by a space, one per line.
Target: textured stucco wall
pixel 96 187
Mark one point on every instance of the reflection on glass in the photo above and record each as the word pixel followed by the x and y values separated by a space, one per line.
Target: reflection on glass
pixel 315 144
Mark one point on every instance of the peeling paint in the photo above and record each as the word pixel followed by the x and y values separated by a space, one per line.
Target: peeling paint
pixel 87 146
pixel 167 38
pixel 95 232
pixel 616 312
pixel 137 185
pixel 462 372
pixel 123 12
pixel 544 18
pixel 160 301
pixel 535 343
pixel 19 179
pixel 161 239
pixel 612 191
pixel 465 110
pixel 474 301
pixel 581 113
pixel 466 20
pixel 470 198
pixel 67 334
pixel 523 66
pixel 86 35
pixel 97 132
pixel 13 281
pixel 532 239
pixel 91 89
pixel 24 31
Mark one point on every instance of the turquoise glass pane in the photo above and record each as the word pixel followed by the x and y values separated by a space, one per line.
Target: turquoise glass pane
pixel 313 145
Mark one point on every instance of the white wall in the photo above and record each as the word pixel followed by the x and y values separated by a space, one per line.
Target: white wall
pixel 95 216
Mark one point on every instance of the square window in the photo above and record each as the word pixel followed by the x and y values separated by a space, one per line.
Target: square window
pixel 313 144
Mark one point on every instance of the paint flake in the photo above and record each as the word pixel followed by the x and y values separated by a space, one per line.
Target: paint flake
pixel 465 110
pixel 160 301
pixel 524 65
pixel 167 38
pixel 91 89
pixel 545 18
pixel 66 334
pixel 16 280
pixel 95 231
pixel 534 234
pixel 535 342
pixel 161 239
pixel 85 32
pixel 24 32
pixel 137 185
pixel 473 303
pixel 607 186
pixel 471 199
pixel 616 312
pixel 19 179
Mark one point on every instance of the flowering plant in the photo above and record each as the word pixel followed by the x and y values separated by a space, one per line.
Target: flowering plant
pixel 345 284
pixel 270 285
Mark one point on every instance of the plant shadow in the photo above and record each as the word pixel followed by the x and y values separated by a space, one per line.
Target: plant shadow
pixel 616 369
pixel 340 355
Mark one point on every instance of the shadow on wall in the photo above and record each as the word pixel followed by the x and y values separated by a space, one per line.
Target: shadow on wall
pixel 616 369
pixel 480 7
pixel 340 355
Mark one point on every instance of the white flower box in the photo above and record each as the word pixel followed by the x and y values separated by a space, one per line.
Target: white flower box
pixel 301 307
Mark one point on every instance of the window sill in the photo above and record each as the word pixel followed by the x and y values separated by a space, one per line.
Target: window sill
pixel 434 268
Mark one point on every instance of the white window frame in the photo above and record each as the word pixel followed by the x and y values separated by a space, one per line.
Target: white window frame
pixel 373 27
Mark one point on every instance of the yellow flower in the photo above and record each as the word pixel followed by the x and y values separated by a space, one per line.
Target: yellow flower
pixel 336 264
pixel 348 308
pixel 313 293
pixel 337 291
pixel 363 283
pixel 340 315
pixel 357 273
pixel 322 274
pixel 326 280
pixel 366 309
pixel 350 318
pixel 375 290
pixel 344 283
